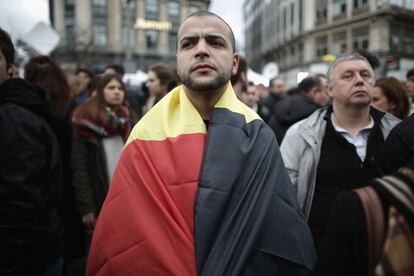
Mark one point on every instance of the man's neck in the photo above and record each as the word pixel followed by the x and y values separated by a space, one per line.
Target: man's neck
pixel 238 89
pixel 351 118
pixel 204 101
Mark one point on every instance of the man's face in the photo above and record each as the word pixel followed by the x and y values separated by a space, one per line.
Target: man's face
pixel 205 58
pixel 249 96
pixel 410 86
pixel 277 87
pixel 320 96
pixel 3 67
pixel 352 83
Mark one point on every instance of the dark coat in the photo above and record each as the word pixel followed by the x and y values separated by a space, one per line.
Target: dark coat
pixel 344 250
pixel 289 110
pixel 90 178
pixel 31 182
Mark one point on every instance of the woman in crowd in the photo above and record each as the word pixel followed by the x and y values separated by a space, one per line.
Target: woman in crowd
pixel 44 73
pixel 161 79
pixel 101 129
pixel 390 96
pixel 86 80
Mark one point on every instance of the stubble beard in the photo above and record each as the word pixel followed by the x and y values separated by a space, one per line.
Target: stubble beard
pixel 205 86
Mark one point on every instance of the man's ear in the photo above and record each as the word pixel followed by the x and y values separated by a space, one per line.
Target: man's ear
pixel 312 93
pixel 236 60
pixel 329 89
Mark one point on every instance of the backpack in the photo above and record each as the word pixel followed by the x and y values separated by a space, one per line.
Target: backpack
pixel 390 253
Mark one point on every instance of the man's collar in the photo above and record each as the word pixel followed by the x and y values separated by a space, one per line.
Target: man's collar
pixel 339 129
pixel 374 113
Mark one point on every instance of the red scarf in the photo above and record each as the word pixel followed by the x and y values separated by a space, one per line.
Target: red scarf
pixel 113 123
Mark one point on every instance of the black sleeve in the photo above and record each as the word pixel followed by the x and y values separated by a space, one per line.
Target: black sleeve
pixel 397 148
pixel 81 186
pixel 343 250
pixel 24 160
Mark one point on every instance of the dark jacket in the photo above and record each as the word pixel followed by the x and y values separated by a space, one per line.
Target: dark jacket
pixel 289 110
pixel 90 178
pixel 266 110
pixel 344 250
pixel 30 181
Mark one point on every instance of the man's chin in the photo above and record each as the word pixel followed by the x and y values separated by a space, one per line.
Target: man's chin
pixel 208 85
pixel 361 103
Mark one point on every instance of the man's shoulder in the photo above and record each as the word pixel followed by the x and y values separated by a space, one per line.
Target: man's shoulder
pixel 18 113
pixel 312 122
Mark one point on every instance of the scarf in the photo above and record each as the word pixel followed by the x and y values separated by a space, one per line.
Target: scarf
pixel 113 123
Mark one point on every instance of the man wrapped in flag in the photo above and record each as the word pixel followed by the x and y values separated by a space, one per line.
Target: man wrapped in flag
pixel 201 188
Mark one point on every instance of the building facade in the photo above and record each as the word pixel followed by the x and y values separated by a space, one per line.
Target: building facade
pixel 135 33
pixel 304 35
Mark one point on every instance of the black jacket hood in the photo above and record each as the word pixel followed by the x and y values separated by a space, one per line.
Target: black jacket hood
pixel 26 95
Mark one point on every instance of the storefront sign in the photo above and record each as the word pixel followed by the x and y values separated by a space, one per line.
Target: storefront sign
pixel 141 23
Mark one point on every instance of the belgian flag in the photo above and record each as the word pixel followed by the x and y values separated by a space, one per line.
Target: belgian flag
pixel 187 201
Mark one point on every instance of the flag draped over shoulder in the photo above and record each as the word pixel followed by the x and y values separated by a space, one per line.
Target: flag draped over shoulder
pixel 186 203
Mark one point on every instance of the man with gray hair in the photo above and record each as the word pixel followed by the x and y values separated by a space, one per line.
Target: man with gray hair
pixel 330 151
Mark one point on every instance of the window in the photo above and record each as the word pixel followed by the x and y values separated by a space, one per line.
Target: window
pixel 321 11
pixel 358 4
pixel 339 7
pixel 99 8
pixel 321 46
pixel 69 23
pixel 174 12
pixel 408 40
pixel 300 51
pixel 151 9
pixel 132 16
pixel 69 7
pixel 360 38
pixel 339 43
pixel 395 38
pixel 69 35
pixel 292 13
pixel 194 8
pixel 99 28
pixel 152 37
pixel 99 35
pixel 172 42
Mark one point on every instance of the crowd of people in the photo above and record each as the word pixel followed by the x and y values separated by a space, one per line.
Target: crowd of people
pixel 201 171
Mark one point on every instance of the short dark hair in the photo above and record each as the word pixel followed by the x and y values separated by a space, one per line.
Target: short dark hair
pixel 6 47
pixel 308 83
pixel 167 75
pixel 242 68
pixel 86 71
pixel 410 73
pixel 207 13
pixel 273 79
pixel 119 69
